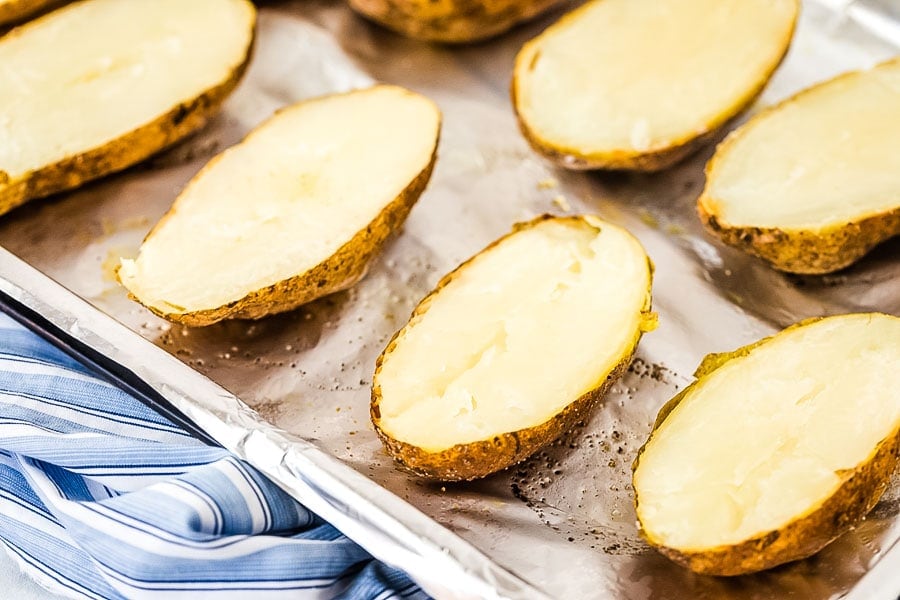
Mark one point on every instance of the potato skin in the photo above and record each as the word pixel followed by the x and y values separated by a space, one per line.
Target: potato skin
pixel 858 494
pixel 801 251
pixel 465 462
pixel 123 152
pixel 451 21
pixel 655 159
pixel 340 271
pixel 620 160
pixel 806 252
pixel 12 11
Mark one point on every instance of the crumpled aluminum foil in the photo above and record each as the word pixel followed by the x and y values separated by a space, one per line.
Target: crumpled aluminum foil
pixel 562 523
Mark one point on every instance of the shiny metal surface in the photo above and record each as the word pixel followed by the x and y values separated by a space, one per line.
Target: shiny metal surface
pixel 563 520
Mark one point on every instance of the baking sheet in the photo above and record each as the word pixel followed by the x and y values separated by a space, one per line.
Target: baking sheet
pixel 562 520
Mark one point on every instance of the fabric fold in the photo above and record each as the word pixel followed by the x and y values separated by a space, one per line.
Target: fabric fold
pixel 101 497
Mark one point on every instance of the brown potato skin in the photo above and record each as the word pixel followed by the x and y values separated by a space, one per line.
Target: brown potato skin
pixel 806 252
pixel 620 160
pixel 133 147
pixel 451 21
pixel 465 462
pixel 340 271
pixel 652 160
pixel 801 251
pixel 13 11
pixel 858 494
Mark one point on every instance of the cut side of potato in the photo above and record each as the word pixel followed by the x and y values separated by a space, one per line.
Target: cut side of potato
pixel 640 84
pixel 451 21
pixel 512 348
pixel 294 212
pixel 12 11
pixel 812 184
pixel 776 449
pixel 99 85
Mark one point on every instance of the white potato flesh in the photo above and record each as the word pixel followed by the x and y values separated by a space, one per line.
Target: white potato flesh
pixel 638 75
pixel 523 330
pixel 828 156
pixel 92 72
pixel 764 439
pixel 285 199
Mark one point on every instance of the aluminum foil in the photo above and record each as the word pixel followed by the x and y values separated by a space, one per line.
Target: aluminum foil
pixel 562 523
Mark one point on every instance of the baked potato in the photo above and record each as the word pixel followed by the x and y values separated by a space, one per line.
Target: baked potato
pixel 640 84
pixel 776 449
pixel 12 11
pixel 451 21
pixel 292 213
pixel 99 85
pixel 512 348
pixel 812 184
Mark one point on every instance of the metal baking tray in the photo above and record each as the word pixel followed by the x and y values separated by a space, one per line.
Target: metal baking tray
pixel 560 524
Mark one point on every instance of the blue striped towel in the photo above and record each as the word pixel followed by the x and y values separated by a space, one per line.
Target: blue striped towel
pixel 101 497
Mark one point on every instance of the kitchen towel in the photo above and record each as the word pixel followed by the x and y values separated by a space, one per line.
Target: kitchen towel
pixel 101 497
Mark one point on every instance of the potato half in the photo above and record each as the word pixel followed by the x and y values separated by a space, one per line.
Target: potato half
pixel 812 184
pixel 294 212
pixel 99 85
pixel 512 348
pixel 451 21
pixel 776 449
pixel 12 11
pixel 640 84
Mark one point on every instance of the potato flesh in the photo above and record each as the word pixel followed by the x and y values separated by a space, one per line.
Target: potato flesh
pixel 90 73
pixel 788 169
pixel 285 199
pixel 642 74
pixel 522 331
pixel 764 439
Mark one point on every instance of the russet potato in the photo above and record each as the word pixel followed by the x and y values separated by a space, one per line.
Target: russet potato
pixel 100 85
pixel 640 84
pixel 776 449
pixel 294 212
pixel 812 184
pixel 512 348
pixel 451 21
